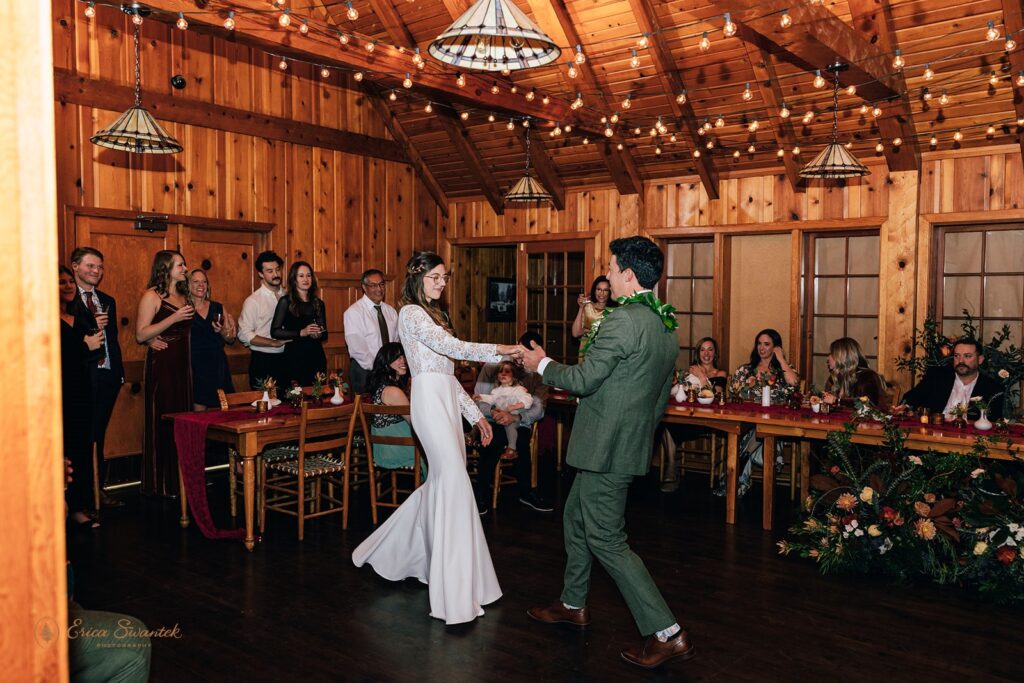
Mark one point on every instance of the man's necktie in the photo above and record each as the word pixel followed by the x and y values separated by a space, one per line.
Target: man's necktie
pixel 385 338
pixel 90 303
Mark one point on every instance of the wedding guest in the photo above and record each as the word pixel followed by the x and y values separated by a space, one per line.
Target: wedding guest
pixel 77 348
pixel 704 364
pixel 850 378
pixel 943 388
pixel 300 319
pixel 389 386
pixel 369 324
pixel 267 353
pixel 592 307
pixel 767 367
pixel 212 328
pixel 508 394
pixel 99 311
pixel 164 311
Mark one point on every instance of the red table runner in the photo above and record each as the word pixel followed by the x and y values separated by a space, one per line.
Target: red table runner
pixel 190 438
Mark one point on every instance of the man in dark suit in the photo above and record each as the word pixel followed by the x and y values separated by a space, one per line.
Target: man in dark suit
pixel 623 386
pixel 99 311
pixel 943 388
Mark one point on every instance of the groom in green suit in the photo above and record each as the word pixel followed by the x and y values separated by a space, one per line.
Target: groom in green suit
pixel 623 387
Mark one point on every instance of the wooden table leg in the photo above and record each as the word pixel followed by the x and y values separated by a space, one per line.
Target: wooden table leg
pixel 533 462
pixel 805 474
pixel 184 500
pixel 768 470
pixel 248 454
pixel 732 446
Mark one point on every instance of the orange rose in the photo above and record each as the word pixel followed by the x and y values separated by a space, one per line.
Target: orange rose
pixel 925 528
pixel 922 509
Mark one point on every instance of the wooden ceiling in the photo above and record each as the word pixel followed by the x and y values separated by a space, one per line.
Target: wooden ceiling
pixel 474 156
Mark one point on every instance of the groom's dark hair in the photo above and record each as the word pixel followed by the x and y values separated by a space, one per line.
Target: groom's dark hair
pixel 531 339
pixel 640 255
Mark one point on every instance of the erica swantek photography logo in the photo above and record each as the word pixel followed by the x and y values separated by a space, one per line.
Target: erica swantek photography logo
pixel 124 633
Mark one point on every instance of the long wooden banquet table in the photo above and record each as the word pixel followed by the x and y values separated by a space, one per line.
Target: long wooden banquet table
pixel 249 435
pixel 777 422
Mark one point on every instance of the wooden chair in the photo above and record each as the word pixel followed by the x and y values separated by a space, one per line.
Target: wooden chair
pixel 296 486
pixel 501 477
pixel 365 408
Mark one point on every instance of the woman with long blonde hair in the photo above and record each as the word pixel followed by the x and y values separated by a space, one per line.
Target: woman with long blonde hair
pixel 849 376
pixel 435 535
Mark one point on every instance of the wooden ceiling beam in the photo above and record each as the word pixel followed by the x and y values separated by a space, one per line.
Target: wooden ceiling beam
pixel 672 83
pixel 255 26
pixel 546 171
pixel 771 95
pixel 392 22
pixel 467 151
pixel 873 19
pixel 1014 22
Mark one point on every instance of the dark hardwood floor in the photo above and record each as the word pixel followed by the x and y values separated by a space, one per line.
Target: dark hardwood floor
pixel 291 612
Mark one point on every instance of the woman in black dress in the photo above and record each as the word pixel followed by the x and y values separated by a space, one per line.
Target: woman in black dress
pixel 300 319
pixel 77 348
pixel 212 327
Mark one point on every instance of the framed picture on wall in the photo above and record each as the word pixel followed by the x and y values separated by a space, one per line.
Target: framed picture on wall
pixel 501 300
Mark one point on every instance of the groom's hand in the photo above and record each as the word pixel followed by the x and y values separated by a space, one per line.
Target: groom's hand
pixel 532 357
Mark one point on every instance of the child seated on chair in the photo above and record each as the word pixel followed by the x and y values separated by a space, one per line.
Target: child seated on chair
pixel 511 396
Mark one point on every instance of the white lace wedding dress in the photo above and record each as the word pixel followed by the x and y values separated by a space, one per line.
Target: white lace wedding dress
pixel 435 535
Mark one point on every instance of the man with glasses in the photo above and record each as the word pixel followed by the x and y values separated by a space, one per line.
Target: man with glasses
pixel 369 324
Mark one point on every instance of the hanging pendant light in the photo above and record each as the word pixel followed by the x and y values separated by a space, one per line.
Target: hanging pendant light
pixel 494 35
pixel 527 189
pixel 835 161
pixel 136 130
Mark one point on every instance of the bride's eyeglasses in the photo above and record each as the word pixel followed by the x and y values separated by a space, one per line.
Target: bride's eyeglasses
pixel 439 279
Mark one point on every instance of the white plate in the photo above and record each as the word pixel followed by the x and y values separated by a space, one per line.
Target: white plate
pixel 274 402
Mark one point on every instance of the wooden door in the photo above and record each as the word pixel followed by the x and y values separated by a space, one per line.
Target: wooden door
pixel 555 273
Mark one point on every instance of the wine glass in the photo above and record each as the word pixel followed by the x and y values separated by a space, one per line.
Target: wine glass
pixel 100 309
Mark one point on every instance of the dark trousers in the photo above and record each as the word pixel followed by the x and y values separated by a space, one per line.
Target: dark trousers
pixel 106 386
pixel 489 456
pixel 358 378
pixel 263 365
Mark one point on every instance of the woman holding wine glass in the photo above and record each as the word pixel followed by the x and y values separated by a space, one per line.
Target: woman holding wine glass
pixel 592 307
pixel 164 312
pixel 212 328
pixel 301 320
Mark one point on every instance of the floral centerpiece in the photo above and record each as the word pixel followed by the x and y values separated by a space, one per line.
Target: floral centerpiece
pixel 319 382
pixel 269 385
pixel 294 394
pixel 337 383
pixel 746 385
pixel 955 519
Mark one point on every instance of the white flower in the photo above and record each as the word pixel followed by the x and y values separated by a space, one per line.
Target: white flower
pixel 1010 542
pixel 1003 373
pixel 977 473
pixel 858 532
pixel 975 399
pixel 885 547
pixel 914 459
pixel 1013 527
pixel 853 523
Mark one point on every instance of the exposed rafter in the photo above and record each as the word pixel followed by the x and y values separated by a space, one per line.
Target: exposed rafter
pixel 1014 21
pixel 672 83
pixel 771 95
pixel 392 22
pixel 467 151
pixel 553 18
pixel 546 171
pixel 873 18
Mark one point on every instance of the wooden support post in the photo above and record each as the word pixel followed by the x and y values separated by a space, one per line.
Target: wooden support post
pixel 897 274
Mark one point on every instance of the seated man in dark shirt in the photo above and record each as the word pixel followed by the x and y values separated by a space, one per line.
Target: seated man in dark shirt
pixel 491 453
pixel 943 388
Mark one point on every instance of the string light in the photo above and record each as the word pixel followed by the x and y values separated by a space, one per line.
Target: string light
pixel 681 98
pixel 785 21
pixel 944 98
pixel 557 130
pixel 729 28
pixel 879 148
pixel 137 19
pixel 514 89
pixel 573 73
pixel 578 102
pixel 736 154
pixel 993 78
pixel 90 10
pixel 429 108
pixel 407 82
pixel 928 73
pixel 958 136
pixel 620 146
pixel 990 131
pixel 707 123
pixel 352 12
pixel 897 61
pixel 304 27
pixel 494 89
pixel 657 150
pixel 781 153
pixel 710 144
pixel 358 76
pixel 784 111
pixel 343 38
pixel 568 129
pixel 464 115
pixel 926 95
pixel 672 138
pixel 896 142
pixel 747 93
pixel 705 42
pixel 506 71
pixel 394 98
pixel 229 23
pixel 614 118
pixel 529 96
pixel 460 80
pixel 1009 43
pixel 586 141
pixel 796 151
pixel 851 90
pixel 371 45
pixel 490 118
pixel 579 57
pixel 876 111
pixel 283 64
pixel 751 149
pixel 526 123
pixel 719 122
pixel 636 131
pixel 417 58
pixel 991 34
pixel 635 61
pixel 325 72
pixel 643 42
pixel 753 125
pixel 545 100
pixel 1020 121
pixel 1020 79
pixel 863 109
pixel 511 124
pixel 181 23
pixel 696 154
pixel 819 80
pixel 934 141
pixel 628 102
pixel 809 116
pixel 285 20
pixel 608 132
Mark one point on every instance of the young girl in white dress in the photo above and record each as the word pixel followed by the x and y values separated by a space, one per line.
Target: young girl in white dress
pixel 512 397
pixel 435 535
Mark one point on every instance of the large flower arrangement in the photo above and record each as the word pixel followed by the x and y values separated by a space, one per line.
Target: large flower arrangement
pixel 746 385
pixel 1004 361
pixel 956 519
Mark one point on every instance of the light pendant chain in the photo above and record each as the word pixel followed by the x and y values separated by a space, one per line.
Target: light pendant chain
pixel 138 75
pixel 835 105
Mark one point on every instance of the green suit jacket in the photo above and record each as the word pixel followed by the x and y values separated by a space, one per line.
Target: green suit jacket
pixel 623 387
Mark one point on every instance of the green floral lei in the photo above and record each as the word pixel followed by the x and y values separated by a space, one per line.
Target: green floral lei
pixel 666 312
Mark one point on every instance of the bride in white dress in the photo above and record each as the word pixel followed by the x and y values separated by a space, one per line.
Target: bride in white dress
pixel 435 535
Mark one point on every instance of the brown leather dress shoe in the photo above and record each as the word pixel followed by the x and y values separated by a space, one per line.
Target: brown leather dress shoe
pixel 557 613
pixel 653 653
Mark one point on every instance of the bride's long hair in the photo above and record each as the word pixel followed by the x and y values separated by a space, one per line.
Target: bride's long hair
pixel 412 291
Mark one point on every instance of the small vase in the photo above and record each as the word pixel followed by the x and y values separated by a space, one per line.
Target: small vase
pixel 983 423
pixel 266 397
pixel 766 396
pixel 337 399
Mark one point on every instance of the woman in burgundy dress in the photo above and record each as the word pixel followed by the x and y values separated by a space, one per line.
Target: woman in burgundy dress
pixel 164 313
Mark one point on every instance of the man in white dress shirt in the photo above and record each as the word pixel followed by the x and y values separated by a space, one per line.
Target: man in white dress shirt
pixel 369 324
pixel 945 387
pixel 254 323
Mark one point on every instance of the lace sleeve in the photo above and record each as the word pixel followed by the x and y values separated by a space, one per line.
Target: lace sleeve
pixel 468 408
pixel 416 324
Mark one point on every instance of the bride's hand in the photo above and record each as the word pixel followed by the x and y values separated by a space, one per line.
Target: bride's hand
pixel 513 351
pixel 485 431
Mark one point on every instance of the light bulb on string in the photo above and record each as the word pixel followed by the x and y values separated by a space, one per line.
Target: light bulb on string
pixel 728 28
pixel 511 124
pixel 304 27
pixel 719 122
pixel 993 78
pixel 407 81
pixel 573 73
pixel 1009 44
pixel 506 71
pixel 429 108
pixel 849 144
pixel 181 23
pixel 460 80
pixel 643 42
pixel 819 80
pixel 90 10
pixel 863 109
pixel 628 102
pixel 876 111
pixel 545 100
pixel 634 61
pixel 514 89
pixel 934 141
pixel 808 117
pixel 417 57
pixel 325 72
pixel 796 151
pixel 944 98
pixel 736 154
pixel 785 21
pixel 619 147
pixel 352 12
pixel 1020 79
pixel 568 129
pixel 926 95
pixel 928 73
pixel 696 154
pixel 557 130
pixel 358 76
pixel 494 89
pixel 608 132
pixel 526 123
pixel 710 144
pixel 464 115
pixel 229 23
pixel 578 102
pixel 283 64
pixel 393 97
pixel 529 96
pixel 879 148
pixel 851 90
pixel 637 131
pixel 371 45
pixel 490 118
pixel 990 131
pixel 707 123
pixel 751 149
pixel 897 141
pixel 672 138
pixel 614 118
pixel 898 62
pixel 780 153
pixel 285 20
pixel 343 38
pixel 681 98
pixel 991 34
pixel 586 141
pixel 747 93
pixel 137 19
pixel 705 42
pixel 754 125
pixel 958 136
pixel 784 111
pixel 579 57
pixel 657 150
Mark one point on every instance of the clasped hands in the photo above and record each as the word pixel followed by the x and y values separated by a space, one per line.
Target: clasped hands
pixel 529 358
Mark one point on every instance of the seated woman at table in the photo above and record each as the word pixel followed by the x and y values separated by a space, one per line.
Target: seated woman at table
pixel 388 385
pixel 850 378
pixel 703 370
pixel 301 321
pixel 212 328
pixel 767 367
